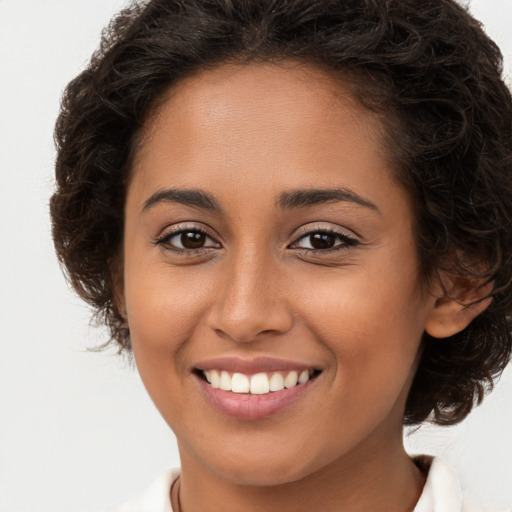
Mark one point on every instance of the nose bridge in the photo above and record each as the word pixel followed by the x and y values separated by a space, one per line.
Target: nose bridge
pixel 248 302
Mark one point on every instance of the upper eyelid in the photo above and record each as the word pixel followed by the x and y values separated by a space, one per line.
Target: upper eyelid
pixel 347 237
pixel 318 228
pixel 164 242
pixel 300 233
pixel 345 242
pixel 185 226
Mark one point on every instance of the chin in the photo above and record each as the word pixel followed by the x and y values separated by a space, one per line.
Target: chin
pixel 262 469
pixel 261 476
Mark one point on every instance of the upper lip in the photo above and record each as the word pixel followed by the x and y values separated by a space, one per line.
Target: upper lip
pixel 252 366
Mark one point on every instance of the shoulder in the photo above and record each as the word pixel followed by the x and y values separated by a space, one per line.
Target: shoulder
pixel 443 491
pixel 156 498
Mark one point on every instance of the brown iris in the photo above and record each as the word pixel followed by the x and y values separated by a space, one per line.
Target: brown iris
pixel 322 240
pixel 192 239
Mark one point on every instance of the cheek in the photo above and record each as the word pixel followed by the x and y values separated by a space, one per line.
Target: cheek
pixel 163 305
pixel 163 310
pixel 371 322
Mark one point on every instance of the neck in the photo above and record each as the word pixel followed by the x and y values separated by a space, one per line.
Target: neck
pixel 377 477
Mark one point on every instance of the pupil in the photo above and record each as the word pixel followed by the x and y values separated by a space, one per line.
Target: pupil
pixel 322 241
pixel 192 239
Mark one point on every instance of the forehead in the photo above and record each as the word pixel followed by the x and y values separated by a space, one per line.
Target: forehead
pixel 272 100
pixel 265 128
pixel 275 85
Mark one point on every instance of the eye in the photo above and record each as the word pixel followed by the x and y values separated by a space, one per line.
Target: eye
pixel 324 240
pixel 187 240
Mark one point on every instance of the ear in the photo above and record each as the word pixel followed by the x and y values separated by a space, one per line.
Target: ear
pixel 117 283
pixel 460 299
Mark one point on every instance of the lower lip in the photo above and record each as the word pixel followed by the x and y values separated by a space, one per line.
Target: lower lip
pixel 245 406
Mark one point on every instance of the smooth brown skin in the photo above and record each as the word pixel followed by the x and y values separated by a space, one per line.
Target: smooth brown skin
pixel 245 135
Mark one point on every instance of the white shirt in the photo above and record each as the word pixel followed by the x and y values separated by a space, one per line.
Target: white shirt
pixel 442 493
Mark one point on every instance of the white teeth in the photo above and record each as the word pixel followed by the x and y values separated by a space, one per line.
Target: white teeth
pixel 291 380
pixel 240 383
pixel 225 381
pixel 257 384
pixel 214 376
pixel 304 377
pixel 260 384
pixel 276 382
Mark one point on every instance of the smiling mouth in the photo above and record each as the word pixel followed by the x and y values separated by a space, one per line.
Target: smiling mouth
pixel 258 383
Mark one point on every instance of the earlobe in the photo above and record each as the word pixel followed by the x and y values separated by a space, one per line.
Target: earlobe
pixel 118 296
pixel 120 306
pixel 119 302
pixel 453 312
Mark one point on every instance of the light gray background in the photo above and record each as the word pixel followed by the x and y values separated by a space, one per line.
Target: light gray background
pixel 77 431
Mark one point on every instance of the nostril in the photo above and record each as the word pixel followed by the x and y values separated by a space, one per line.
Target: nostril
pixel 248 318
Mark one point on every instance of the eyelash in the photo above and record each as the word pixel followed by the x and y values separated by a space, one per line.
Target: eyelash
pixel 165 239
pixel 346 241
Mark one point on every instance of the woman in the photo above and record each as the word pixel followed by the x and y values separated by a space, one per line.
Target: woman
pixel 297 216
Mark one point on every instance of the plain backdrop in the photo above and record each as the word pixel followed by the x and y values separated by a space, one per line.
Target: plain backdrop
pixel 77 431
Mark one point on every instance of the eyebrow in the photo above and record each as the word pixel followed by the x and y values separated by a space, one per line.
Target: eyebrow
pixel 287 200
pixel 189 197
pixel 310 197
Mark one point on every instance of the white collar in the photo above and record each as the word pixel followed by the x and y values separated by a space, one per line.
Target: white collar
pixel 442 492
pixel 156 498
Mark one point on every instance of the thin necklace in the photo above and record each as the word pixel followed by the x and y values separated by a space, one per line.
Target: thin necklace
pixel 175 495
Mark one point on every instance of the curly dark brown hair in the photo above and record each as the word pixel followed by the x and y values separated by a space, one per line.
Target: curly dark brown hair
pixel 425 65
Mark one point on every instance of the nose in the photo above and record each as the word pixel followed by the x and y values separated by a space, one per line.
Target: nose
pixel 250 302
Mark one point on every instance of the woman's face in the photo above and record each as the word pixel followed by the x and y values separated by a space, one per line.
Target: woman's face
pixel 266 237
